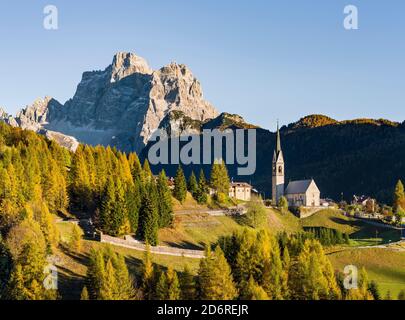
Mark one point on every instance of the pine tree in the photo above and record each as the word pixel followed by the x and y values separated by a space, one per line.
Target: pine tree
pixel 76 239
pixel 109 285
pixel 374 290
pixel 81 195
pixel 401 295
pixel 254 292
pixel 147 173
pixel 133 204
pixel 180 186
pixel 149 219
pixel 282 204
pixel 124 280
pixel 215 278
pixel 135 166
pixel 95 273
pixel 399 196
pixel 16 285
pixel 187 285
pixel 274 280
pixel 192 185
pixel 161 287
pixel 202 191
pixel 364 285
pixel 165 202
pixel 256 216
pixel 286 259
pixel 313 277
pixel 107 209
pixel 173 285
pixel 84 294
pixel 121 221
pixel 148 275
pixel 108 277
pixel 219 178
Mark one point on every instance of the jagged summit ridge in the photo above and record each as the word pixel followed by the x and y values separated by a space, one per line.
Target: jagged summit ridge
pixel 122 105
pixel 3 114
pixel 125 64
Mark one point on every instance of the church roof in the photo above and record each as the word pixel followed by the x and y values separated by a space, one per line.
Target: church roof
pixel 278 153
pixel 300 186
pixel 278 142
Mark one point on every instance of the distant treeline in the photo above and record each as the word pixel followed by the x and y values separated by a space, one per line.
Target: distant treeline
pixel 327 236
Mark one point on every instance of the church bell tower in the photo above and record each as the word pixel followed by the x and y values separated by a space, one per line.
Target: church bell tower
pixel 278 171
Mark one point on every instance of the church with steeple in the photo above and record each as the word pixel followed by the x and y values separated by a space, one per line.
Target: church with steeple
pixel 301 193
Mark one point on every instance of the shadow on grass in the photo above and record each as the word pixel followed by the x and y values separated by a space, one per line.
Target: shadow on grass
pixel 70 284
pixel 78 257
pixel 352 223
pixel 186 245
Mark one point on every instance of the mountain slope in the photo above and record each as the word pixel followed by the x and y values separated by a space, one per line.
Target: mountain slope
pixel 121 106
pixel 362 156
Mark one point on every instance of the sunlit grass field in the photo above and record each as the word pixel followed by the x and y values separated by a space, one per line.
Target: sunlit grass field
pixel 385 266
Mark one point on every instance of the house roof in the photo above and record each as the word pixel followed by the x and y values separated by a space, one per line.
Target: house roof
pixel 241 184
pixel 300 186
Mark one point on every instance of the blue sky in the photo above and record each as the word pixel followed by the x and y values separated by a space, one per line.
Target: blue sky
pixel 261 59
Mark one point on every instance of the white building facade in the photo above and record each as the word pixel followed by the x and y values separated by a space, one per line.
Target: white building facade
pixel 302 193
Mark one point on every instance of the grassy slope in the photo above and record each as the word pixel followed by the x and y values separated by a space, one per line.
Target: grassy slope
pixel 72 267
pixel 191 231
pixel 188 205
pixel 361 232
pixel 386 267
pixel 194 231
pixel 279 222
pixel 197 229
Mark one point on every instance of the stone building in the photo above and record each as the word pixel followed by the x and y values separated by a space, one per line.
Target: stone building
pixel 240 191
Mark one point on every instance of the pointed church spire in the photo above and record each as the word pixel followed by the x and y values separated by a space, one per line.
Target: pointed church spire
pixel 278 145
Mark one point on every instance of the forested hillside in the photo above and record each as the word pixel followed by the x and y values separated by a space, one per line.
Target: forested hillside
pixel 351 157
pixel 40 180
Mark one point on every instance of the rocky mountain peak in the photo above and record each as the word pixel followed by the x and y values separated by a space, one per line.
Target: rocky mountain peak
pixel 121 106
pixel 3 113
pixel 125 64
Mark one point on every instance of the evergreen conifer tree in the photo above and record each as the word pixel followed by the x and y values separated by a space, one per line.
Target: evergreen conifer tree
pixel 165 202
pixel 399 196
pixel 215 278
pixel 180 185
pixel 202 190
pixel 192 185
pixel 149 219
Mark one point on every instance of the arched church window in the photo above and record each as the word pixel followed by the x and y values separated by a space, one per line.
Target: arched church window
pixel 280 169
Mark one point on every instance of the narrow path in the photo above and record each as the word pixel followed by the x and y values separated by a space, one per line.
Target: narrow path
pixel 201 211
pixel 390 246
pixel 140 246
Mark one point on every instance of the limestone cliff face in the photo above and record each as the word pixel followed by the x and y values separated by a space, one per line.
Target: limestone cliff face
pixel 121 106
pixel 3 114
